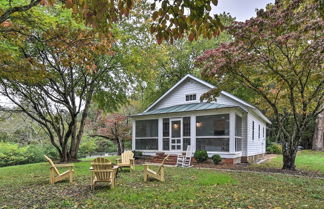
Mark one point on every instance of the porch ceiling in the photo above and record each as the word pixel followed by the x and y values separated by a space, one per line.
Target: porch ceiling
pixel 187 108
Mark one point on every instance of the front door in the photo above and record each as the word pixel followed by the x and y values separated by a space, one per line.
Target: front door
pixel 176 135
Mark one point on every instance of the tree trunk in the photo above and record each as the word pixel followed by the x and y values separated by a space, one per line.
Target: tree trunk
pixel 119 149
pixel 121 145
pixel 289 156
pixel 318 138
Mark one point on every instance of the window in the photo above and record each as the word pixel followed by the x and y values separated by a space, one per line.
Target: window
pixel 263 132
pixel 146 135
pixel 259 135
pixel 190 97
pixel 166 134
pixel 213 133
pixel 252 130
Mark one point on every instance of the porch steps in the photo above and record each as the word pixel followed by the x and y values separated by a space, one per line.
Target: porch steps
pixel 172 159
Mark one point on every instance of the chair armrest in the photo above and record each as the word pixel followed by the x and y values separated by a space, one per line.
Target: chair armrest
pixel 64 165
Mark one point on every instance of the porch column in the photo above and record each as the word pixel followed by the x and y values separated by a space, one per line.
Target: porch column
pixel 133 134
pixel 193 133
pixel 160 134
pixel 232 132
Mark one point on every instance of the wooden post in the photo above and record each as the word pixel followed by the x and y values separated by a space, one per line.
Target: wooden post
pixel 145 173
pixel 162 173
pixel 52 175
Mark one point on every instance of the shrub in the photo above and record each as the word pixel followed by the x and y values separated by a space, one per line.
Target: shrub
pixel 87 147
pixel 274 148
pixel 12 154
pixel 35 153
pixel 201 156
pixel 137 154
pixel 216 159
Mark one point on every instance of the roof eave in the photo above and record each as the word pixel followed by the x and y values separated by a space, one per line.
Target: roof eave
pixel 233 107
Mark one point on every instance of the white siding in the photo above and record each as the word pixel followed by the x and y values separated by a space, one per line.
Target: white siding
pixel 178 95
pixel 257 145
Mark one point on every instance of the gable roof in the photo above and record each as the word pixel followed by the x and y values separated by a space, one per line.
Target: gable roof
pixel 231 96
pixel 187 108
pixel 176 85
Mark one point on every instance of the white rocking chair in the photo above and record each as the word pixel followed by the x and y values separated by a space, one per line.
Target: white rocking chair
pixel 185 160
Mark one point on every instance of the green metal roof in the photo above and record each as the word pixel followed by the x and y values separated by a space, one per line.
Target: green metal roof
pixel 186 108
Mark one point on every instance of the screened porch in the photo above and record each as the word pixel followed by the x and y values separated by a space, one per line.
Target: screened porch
pixel 215 133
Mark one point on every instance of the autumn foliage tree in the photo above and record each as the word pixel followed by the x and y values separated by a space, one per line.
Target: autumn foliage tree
pixel 171 19
pixel 114 127
pixel 278 55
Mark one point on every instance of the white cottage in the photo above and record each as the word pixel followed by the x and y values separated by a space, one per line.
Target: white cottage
pixel 230 127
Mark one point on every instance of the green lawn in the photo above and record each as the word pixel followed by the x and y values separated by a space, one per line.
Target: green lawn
pixel 306 160
pixel 26 186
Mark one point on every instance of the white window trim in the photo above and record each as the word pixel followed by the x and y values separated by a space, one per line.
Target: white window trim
pixel 189 96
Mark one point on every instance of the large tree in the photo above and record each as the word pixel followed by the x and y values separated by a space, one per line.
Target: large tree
pixel 76 66
pixel 278 55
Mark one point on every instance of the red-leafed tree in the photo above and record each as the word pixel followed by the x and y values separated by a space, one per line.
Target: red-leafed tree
pixel 114 127
pixel 279 55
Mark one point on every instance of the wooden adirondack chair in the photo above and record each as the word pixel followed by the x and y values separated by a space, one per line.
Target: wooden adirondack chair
pixel 159 174
pixel 55 175
pixel 185 160
pixel 126 160
pixel 102 171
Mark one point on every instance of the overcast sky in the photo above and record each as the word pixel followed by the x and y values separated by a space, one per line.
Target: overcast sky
pixel 241 9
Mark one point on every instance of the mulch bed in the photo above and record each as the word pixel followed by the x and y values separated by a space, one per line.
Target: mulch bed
pixel 246 167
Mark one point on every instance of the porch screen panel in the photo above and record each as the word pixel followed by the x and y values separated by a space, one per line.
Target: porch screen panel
pixel 146 144
pixel 186 142
pixel 238 133
pixel 213 144
pixel 146 135
pixel 212 133
pixel 213 125
pixel 147 128
pixel 166 134
pixel 238 144
pixel 186 126
pixel 238 125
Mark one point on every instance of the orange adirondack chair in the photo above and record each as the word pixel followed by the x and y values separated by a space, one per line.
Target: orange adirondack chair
pixel 126 160
pixel 55 175
pixel 102 171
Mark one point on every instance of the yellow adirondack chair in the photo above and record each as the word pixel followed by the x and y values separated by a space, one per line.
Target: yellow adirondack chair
pixel 55 175
pixel 159 174
pixel 102 171
pixel 126 160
